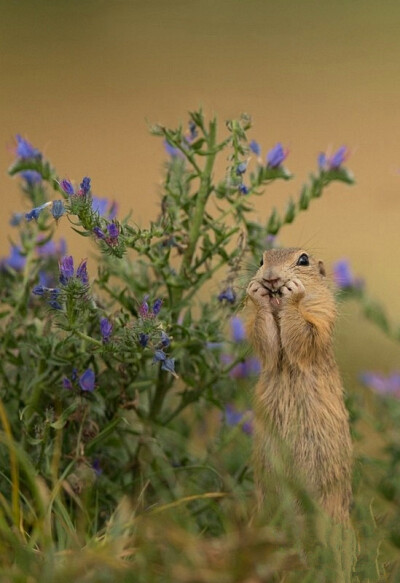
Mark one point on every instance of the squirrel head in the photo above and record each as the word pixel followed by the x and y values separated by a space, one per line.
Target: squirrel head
pixel 278 266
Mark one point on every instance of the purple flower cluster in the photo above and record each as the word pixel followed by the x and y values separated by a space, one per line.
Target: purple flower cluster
pixel 16 260
pixel 31 177
pixel 86 381
pixel 67 271
pixel 234 417
pixel 333 162
pixel 112 235
pixel 167 364
pixel 57 210
pixel 52 295
pixel 145 311
pixel 389 385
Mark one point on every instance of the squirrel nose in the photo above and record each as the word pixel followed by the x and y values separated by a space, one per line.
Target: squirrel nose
pixel 272 282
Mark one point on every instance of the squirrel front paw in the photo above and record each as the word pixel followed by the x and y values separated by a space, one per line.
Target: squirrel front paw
pixel 293 289
pixel 258 294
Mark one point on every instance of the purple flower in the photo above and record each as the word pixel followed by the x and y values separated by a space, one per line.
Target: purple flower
pixel 338 158
pixel 243 189
pixel 31 177
pixel 389 385
pixel 143 339
pixel 16 259
pixel 157 306
pixel 335 161
pixel 25 150
pixel 241 168
pixel 97 467
pixel 34 213
pixel 66 269
pixel 247 368
pixel 66 186
pixel 50 248
pixel 159 356
pixel 55 305
pixel 234 417
pixel 39 290
pixel 192 131
pixel 276 156
pixel 144 308
pixel 171 150
pixel 227 294
pixel 237 329
pixel 99 233
pixel 84 186
pixel 57 209
pixel 165 339
pixel 255 147
pixel 113 234
pixel 169 365
pixel 106 328
pixel 81 272
pixel 100 205
pixel 16 219
pixel 86 380
pixel 66 383
pixel 343 275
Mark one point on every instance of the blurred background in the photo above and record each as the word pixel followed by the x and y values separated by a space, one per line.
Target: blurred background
pixel 81 80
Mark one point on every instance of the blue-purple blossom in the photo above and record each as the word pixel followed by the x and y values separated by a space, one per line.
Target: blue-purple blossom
pixel 97 467
pixel 25 150
pixel 16 260
pixel 100 205
pixel 255 147
pixel 276 156
pixel 165 339
pixel 234 417
pixel 169 365
pixel 171 150
pixel 66 383
pixel 16 219
pixel 106 328
pixel 87 380
pixel 66 269
pixel 34 213
pixel 333 162
pixel 157 306
pixel 81 272
pixel 192 131
pixel 57 209
pixel 384 385
pixel 143 339
pixel 227 294
pixel 241 168
pixel 66 186
pixel 243 189
pixel 99 233
pixel 50 248
pixel 344 277
pixel 39 290
pixel 84 186
pixel 237 329
pixel 31 177
pixel 159 356
pixel 144 308
pixel 113 233
pixel 55 305
pixel 247 368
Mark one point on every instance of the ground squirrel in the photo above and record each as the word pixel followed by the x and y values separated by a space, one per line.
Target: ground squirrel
pixel 298 402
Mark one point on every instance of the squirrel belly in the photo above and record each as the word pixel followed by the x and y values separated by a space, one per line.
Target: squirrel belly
pixel 301 427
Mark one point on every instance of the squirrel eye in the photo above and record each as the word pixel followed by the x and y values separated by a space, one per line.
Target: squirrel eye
pixel 303 260
pixel 262 261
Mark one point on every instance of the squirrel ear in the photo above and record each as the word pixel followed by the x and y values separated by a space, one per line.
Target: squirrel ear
pixel 321 268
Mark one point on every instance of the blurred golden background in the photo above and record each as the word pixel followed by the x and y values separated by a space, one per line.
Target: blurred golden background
pixel 80 79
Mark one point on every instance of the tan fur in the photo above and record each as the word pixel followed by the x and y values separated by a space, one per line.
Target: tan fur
pixel 301 424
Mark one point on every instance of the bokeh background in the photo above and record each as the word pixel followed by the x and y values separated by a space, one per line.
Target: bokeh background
pixel 81 80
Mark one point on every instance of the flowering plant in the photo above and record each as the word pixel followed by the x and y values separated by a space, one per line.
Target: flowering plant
pixel 109 376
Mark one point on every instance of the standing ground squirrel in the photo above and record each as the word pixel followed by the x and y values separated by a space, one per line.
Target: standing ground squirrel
pixel 298 402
